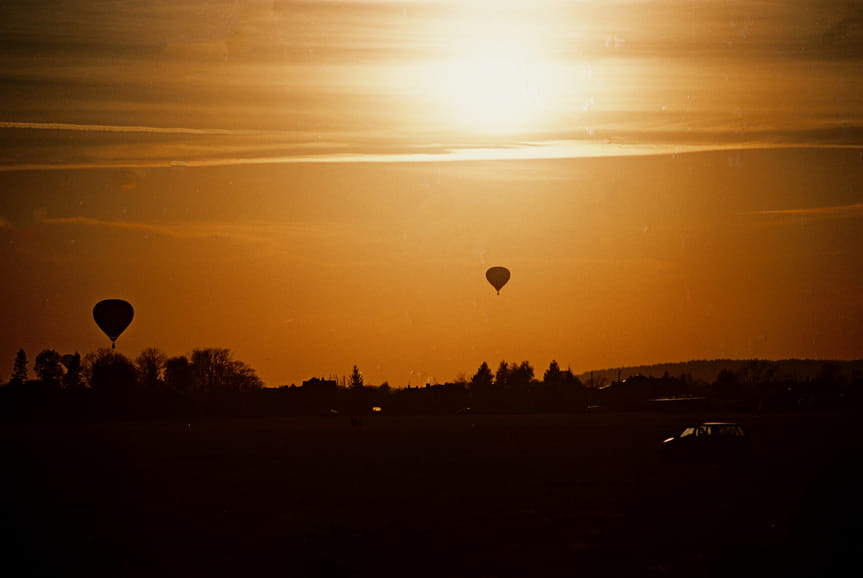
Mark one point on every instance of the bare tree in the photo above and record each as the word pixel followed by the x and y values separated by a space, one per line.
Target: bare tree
pixel 151 368
pixel 244 378
pixel 215 369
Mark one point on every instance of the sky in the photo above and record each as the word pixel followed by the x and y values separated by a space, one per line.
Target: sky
pixel 317 185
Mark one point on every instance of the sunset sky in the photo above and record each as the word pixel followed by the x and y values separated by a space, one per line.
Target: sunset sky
pixel 320 184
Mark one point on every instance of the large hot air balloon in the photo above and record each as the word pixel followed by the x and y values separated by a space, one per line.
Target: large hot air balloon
pixel 497 276
pixel 113 316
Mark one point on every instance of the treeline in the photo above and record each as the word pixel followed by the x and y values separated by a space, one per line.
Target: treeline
pixel 209 369
pixel 107 385
pixel 751 386
pixel 708 370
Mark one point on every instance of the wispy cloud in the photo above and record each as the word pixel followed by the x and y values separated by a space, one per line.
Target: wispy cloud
pixel 125 129
pixel 853 210
pixel 524 151
pixel 257 232
pixel 246 233
pixel 279 78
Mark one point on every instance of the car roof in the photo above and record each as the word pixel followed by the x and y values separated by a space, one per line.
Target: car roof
pixel 719 423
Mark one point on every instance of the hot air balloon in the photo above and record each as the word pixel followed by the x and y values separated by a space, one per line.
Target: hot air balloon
pixel 497 276
pixel 113 316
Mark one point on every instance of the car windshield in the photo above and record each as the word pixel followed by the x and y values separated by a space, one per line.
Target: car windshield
pixel 687 432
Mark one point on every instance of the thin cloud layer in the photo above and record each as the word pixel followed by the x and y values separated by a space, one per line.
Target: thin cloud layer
pixel 246 233
pixel 844 211
pixel 268 80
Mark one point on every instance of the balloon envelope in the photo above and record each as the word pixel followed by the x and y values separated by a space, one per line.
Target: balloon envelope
pixel 497 276
pixel 113 316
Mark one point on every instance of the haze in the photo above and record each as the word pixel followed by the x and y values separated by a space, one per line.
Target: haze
pixel 317 185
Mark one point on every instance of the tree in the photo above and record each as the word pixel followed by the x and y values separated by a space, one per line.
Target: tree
pixel 210 368
pixel 244 378
pixel 48 367
pixel 356 378
pixel 568 379
pixel 73 377
pixel 110 371
pixel 481 380
pixel 19 369
pixel 151 368
pixel 552 374
pixel 520 375
pixel 178 374
pixel 214 369
pixel 501 376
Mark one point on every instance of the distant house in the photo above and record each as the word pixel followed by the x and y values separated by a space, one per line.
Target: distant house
pixel 320 386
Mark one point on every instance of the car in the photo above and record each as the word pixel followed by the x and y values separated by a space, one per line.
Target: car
pixel 709 441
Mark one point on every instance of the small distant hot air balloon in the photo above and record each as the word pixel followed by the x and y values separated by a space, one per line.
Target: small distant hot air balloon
pixel 497 276
pixel 113 316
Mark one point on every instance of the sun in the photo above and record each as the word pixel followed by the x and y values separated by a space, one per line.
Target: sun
pixel 495 79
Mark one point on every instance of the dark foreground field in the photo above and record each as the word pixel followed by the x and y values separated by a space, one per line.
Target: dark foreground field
pixel 551 495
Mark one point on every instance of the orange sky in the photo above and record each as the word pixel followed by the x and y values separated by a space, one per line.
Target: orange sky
pixel 320 184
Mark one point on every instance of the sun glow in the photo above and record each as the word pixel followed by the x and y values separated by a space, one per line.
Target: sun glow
pixel 497 78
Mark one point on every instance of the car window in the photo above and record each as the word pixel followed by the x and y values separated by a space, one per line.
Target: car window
pixel 688 432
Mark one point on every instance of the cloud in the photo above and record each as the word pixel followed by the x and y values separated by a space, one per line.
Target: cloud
pixel 260 233
pixel 845 37
pixel 841 211
pixel 246 233
pixel 124 129
pixel 546 150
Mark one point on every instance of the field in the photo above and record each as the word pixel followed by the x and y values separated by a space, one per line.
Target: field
pixel 467 495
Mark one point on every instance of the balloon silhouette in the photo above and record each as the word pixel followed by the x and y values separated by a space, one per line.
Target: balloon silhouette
pixel 497 276
pixel 113 316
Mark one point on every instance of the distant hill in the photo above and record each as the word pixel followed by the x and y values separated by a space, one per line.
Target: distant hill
pixel 708 369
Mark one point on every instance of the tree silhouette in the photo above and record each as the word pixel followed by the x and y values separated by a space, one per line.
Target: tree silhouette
pixel 151 368
pixel 356 378
pixel 178 374
pixel 48 367
pixel 19 369
pixel 501 376
pixel 552 374
pixel 214 369
pixel 244 378
pixel 110 371
pixel 72 380
pixel 481 380
pixel 520 376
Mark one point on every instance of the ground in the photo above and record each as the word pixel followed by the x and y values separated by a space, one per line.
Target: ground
pixel 466 495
